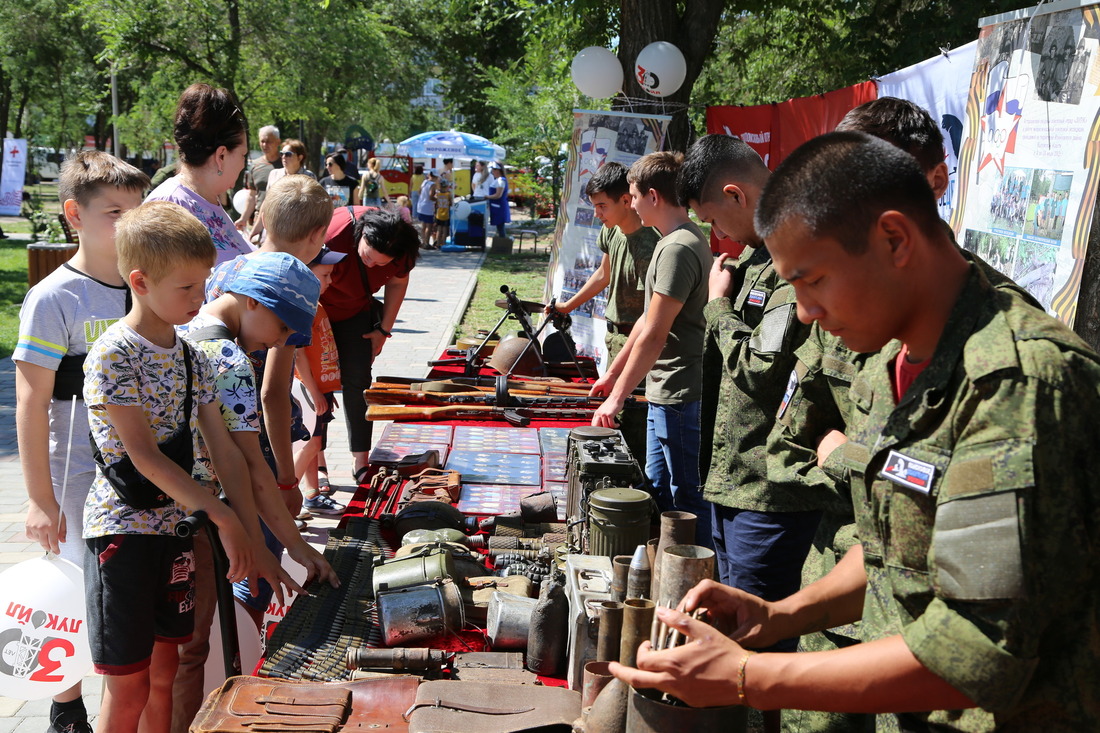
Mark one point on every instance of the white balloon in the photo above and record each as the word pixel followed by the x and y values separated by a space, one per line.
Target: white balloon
pixel 240 200
pixel 462 210
pixel 660 69
pixel 43 629
pixel 597 72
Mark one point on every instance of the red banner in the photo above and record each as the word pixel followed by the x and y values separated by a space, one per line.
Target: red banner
pixel 774 130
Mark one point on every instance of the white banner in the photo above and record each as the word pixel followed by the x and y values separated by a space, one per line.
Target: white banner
pixel 1030 161
pixel 598 138
pixel 11 180
pixel 939 85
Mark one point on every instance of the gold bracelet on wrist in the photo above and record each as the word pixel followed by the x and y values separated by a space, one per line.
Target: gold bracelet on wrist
pixel 741 678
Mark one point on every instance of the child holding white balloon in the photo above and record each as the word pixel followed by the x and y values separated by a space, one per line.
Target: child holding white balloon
pixel 60 319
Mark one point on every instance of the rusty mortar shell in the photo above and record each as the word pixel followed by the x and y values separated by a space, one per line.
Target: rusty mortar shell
pixel 638 575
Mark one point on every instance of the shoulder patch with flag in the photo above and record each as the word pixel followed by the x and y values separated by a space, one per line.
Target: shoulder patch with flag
pixel 909 472
pixel 757 297
pixel 792 385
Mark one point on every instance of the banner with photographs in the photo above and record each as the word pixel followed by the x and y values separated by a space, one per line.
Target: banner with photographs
pixel 940 85
pixel 11 179
pixel 1031 157
pixel 598 138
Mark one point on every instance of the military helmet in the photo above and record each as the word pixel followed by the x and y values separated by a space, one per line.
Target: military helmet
pixel 517 355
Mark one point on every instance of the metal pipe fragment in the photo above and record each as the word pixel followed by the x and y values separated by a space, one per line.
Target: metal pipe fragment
pixel 611 631
pixel 637 618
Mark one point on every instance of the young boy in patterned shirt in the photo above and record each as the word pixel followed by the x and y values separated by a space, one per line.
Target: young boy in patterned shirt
pixel 147 391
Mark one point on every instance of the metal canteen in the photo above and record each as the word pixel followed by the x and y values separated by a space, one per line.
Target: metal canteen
pixel 428 563
pixel 420 613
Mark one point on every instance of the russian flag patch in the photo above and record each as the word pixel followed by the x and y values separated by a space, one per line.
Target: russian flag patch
pixel 908 472
pixel 792 385
pixel 757 297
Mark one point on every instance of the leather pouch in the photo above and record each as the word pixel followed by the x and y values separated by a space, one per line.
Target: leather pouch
pixel 436 484
pixel 258 705
pixel 450 706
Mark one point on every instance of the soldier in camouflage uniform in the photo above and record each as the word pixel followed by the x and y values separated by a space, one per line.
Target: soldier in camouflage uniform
pixel 762 528
pixel 817 403
pixel 972 467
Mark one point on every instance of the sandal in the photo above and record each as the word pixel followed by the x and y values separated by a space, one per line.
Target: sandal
pixel 362 476
pixel 323 483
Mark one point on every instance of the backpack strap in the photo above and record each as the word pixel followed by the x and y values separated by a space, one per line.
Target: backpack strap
pixel 211 333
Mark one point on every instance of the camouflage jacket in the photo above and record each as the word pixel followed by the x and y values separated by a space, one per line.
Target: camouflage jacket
pixel 816 401
pixel 977 506
pixel 748 354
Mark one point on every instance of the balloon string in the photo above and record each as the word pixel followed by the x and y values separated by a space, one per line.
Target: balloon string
pixel 68 456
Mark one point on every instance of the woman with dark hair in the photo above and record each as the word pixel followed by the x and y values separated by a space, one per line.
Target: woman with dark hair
pixel 383 248
pixel 343 189
pixel 212 141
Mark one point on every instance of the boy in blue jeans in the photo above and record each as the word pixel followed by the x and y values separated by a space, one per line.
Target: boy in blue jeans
pixel 60 319
pixel 147 391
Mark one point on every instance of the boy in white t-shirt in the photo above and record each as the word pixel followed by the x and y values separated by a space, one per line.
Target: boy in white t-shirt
pixel 60 319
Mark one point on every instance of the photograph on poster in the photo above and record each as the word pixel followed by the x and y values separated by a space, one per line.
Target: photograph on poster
pixel 1061 73
pixel 608 123
pixel 1010 201
pixel 586 218
pixel 633 137
pixel 999 251
pixel 1034 269
pixel 1048 205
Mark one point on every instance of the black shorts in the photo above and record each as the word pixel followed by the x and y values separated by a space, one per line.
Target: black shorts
pixel 140 589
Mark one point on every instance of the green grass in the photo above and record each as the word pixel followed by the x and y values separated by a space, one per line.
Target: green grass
pixel 13 266
pixel 524 272
pixel 13 286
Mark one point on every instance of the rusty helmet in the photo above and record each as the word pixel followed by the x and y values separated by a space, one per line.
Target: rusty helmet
pixel 517 355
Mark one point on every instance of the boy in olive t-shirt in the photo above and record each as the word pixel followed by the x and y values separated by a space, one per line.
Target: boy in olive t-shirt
pixel 666 347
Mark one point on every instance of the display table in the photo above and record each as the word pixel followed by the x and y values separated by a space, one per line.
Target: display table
pixel 499 464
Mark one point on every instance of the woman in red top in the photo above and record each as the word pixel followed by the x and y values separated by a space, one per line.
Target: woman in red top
pixel 383 249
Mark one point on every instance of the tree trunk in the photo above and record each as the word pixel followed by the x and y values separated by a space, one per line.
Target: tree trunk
pixel 645 21
pixel 24 99
pixel 313 146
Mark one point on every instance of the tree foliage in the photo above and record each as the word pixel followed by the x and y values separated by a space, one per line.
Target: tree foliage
pixel 314 67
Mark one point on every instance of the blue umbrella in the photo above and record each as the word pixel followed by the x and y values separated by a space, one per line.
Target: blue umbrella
pixel 450 144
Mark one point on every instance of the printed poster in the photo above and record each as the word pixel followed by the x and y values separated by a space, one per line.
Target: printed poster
pixel 1028 167
pixel 598 138
pixel 11 179
pixel 940 85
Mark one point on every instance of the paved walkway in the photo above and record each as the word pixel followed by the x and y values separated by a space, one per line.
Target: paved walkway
pixel 439 291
